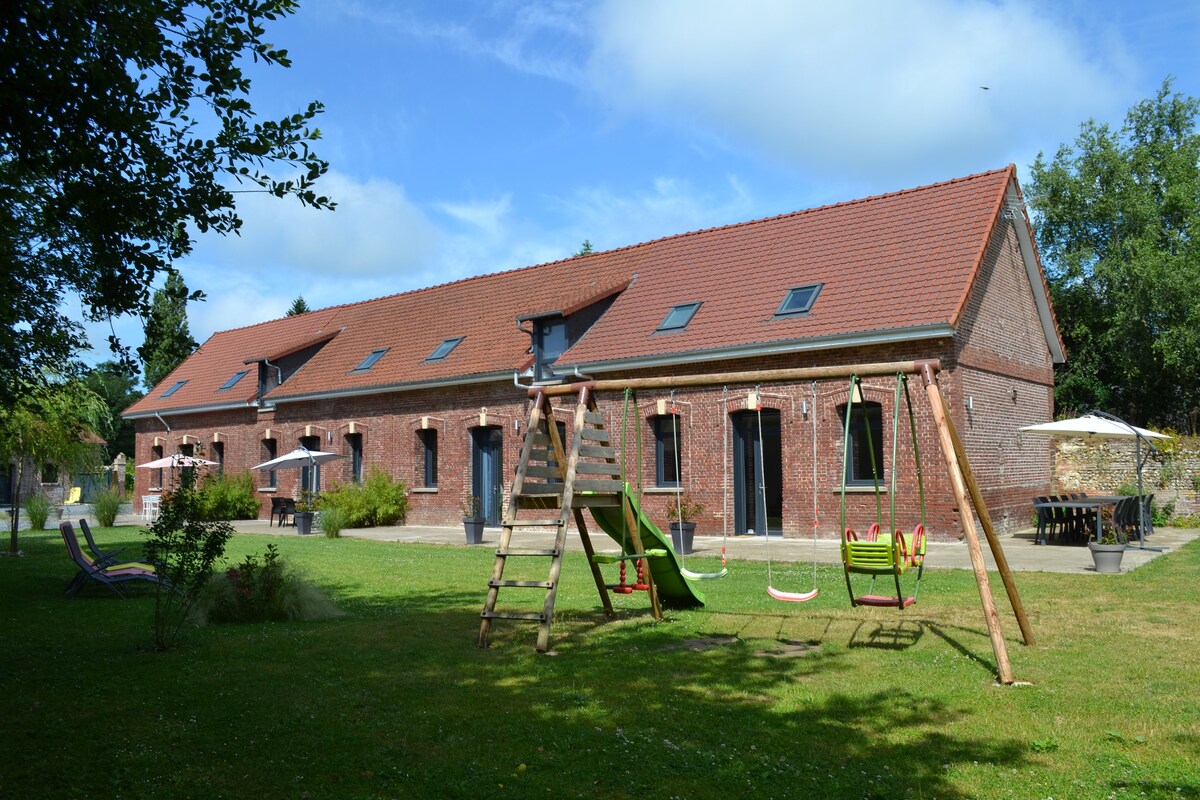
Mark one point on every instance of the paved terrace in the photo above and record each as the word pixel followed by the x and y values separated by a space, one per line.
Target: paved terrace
pixel 1019 549
pixel 1022 554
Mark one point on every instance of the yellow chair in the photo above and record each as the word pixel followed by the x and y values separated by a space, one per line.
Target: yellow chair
pixel 74 496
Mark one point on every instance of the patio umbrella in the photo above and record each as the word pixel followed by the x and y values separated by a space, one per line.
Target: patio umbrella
pixel 1101 425
pixel 1091 426
pixel 177 460
pixel 300 457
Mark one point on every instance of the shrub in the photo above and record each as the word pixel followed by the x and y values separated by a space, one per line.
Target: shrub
pixel 261 591
pixel 183 547
pixel 229 496
pixel 379 501
pixel 37 509
pixel 1160 514
pixel 332 522
pixel 106 506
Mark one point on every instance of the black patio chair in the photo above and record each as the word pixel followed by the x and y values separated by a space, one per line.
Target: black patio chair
pixel 287 511
pixel 1045 521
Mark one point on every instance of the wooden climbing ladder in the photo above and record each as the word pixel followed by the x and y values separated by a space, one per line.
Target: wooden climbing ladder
pixel 551 487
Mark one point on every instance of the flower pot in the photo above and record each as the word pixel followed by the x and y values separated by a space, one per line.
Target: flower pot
pixel 1107 557
pixel 304 521
pixel 473 527
pixel 682 534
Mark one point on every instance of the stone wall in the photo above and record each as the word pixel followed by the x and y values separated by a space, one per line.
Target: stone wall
pixel 1102 467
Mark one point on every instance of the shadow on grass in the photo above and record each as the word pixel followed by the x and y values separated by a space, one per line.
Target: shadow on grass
pixel 396 700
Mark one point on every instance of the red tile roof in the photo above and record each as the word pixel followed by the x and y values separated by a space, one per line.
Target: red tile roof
pixel 897 261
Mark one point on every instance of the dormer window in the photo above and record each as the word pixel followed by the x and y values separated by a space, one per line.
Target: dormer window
pixel 679 316
pixel 178 385
pixel 799 300
pixel 443 349
pixel 229 384
pixel 368 362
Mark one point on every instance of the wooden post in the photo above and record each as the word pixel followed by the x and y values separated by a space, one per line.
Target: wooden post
pixel 985 519
pixel 1003 667
pixel 751 376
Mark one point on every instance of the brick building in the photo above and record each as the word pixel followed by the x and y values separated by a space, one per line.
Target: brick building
pixel 430 385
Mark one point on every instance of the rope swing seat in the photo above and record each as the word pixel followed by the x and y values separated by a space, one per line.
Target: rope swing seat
pixel 877 552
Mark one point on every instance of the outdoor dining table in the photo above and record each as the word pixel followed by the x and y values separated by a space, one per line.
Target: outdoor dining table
pixel 1096 502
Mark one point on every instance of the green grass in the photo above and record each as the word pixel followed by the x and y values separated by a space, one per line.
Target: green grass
pixel 394 700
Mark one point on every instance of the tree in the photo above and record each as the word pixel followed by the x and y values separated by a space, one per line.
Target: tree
pixel 298 307
pixel 1117 220
pixel 52 422
pixel 584 249
pixel 168 341
pixel 126 128
pixel 118 389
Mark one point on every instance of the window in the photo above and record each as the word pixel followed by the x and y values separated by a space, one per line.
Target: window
pixel 354 444
pixel 178 385
pixel 442 350
pixel 799 300
pixel 549 342
pixel 156 452
pixel 678 317
pixel 863 448
pixel 268 452
pixel 310 475
pixel 668 468
pixel 218 453
pixel 49 473
pixel 188 450
pixel 429 456
pixel 229 384
pixel 370 360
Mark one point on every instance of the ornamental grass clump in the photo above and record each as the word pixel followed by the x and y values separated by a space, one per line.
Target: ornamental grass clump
pixel 37 510
pixel 261 590
pixel 378 501
pixel 106 506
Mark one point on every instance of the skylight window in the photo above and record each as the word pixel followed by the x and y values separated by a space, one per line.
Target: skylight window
pixel 229 384
pixel 178 385
pixel 679 316
pixel 370 360
pixel 443 349
pixel 799 300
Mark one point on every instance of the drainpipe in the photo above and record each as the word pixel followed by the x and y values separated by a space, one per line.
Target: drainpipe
pixel 163 421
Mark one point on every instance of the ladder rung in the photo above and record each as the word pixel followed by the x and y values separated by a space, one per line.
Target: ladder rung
pixel 541 489
pixel 530 523
pixel 523 584
pixel 531 616
pixel 514 553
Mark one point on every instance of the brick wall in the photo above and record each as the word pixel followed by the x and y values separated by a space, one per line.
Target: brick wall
pixel 998 360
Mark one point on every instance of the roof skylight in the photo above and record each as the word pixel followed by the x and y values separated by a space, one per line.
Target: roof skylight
pixel 237 376
pixel 679 316
pixel 178 385
pixel 443 349
pixel 799 300
pixel 370 360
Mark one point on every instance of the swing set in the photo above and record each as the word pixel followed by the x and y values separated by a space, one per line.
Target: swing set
pixel 880 552
pixel 587 475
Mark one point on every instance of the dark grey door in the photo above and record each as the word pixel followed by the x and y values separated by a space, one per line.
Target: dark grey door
pixel 757 472
pixel 487 470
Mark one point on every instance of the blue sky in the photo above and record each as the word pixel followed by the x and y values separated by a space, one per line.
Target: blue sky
pixel 473 137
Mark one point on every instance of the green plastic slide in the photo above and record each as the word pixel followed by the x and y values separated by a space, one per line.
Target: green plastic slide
pixel 674 590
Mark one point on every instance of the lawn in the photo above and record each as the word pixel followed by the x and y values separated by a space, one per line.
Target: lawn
pixel 746 698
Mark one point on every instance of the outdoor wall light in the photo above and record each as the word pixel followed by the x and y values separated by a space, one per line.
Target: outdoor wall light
pixel 970 402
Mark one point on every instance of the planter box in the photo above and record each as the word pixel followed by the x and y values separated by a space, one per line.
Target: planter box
pixel 473 527
pixel 682 536
pixel 1107 557
pixel 304 521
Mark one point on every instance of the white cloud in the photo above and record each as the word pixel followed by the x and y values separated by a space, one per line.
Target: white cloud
pixel 374 230
pixel 857 88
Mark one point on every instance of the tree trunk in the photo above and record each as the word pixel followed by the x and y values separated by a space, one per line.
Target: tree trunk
pixel 13 545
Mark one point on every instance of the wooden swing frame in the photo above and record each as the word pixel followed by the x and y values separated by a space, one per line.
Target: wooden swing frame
pixel 967 494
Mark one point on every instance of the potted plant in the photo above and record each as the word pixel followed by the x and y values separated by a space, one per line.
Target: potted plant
pixel 682 514
pixel 472 519
pixel 305 507
pixel 1109 549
